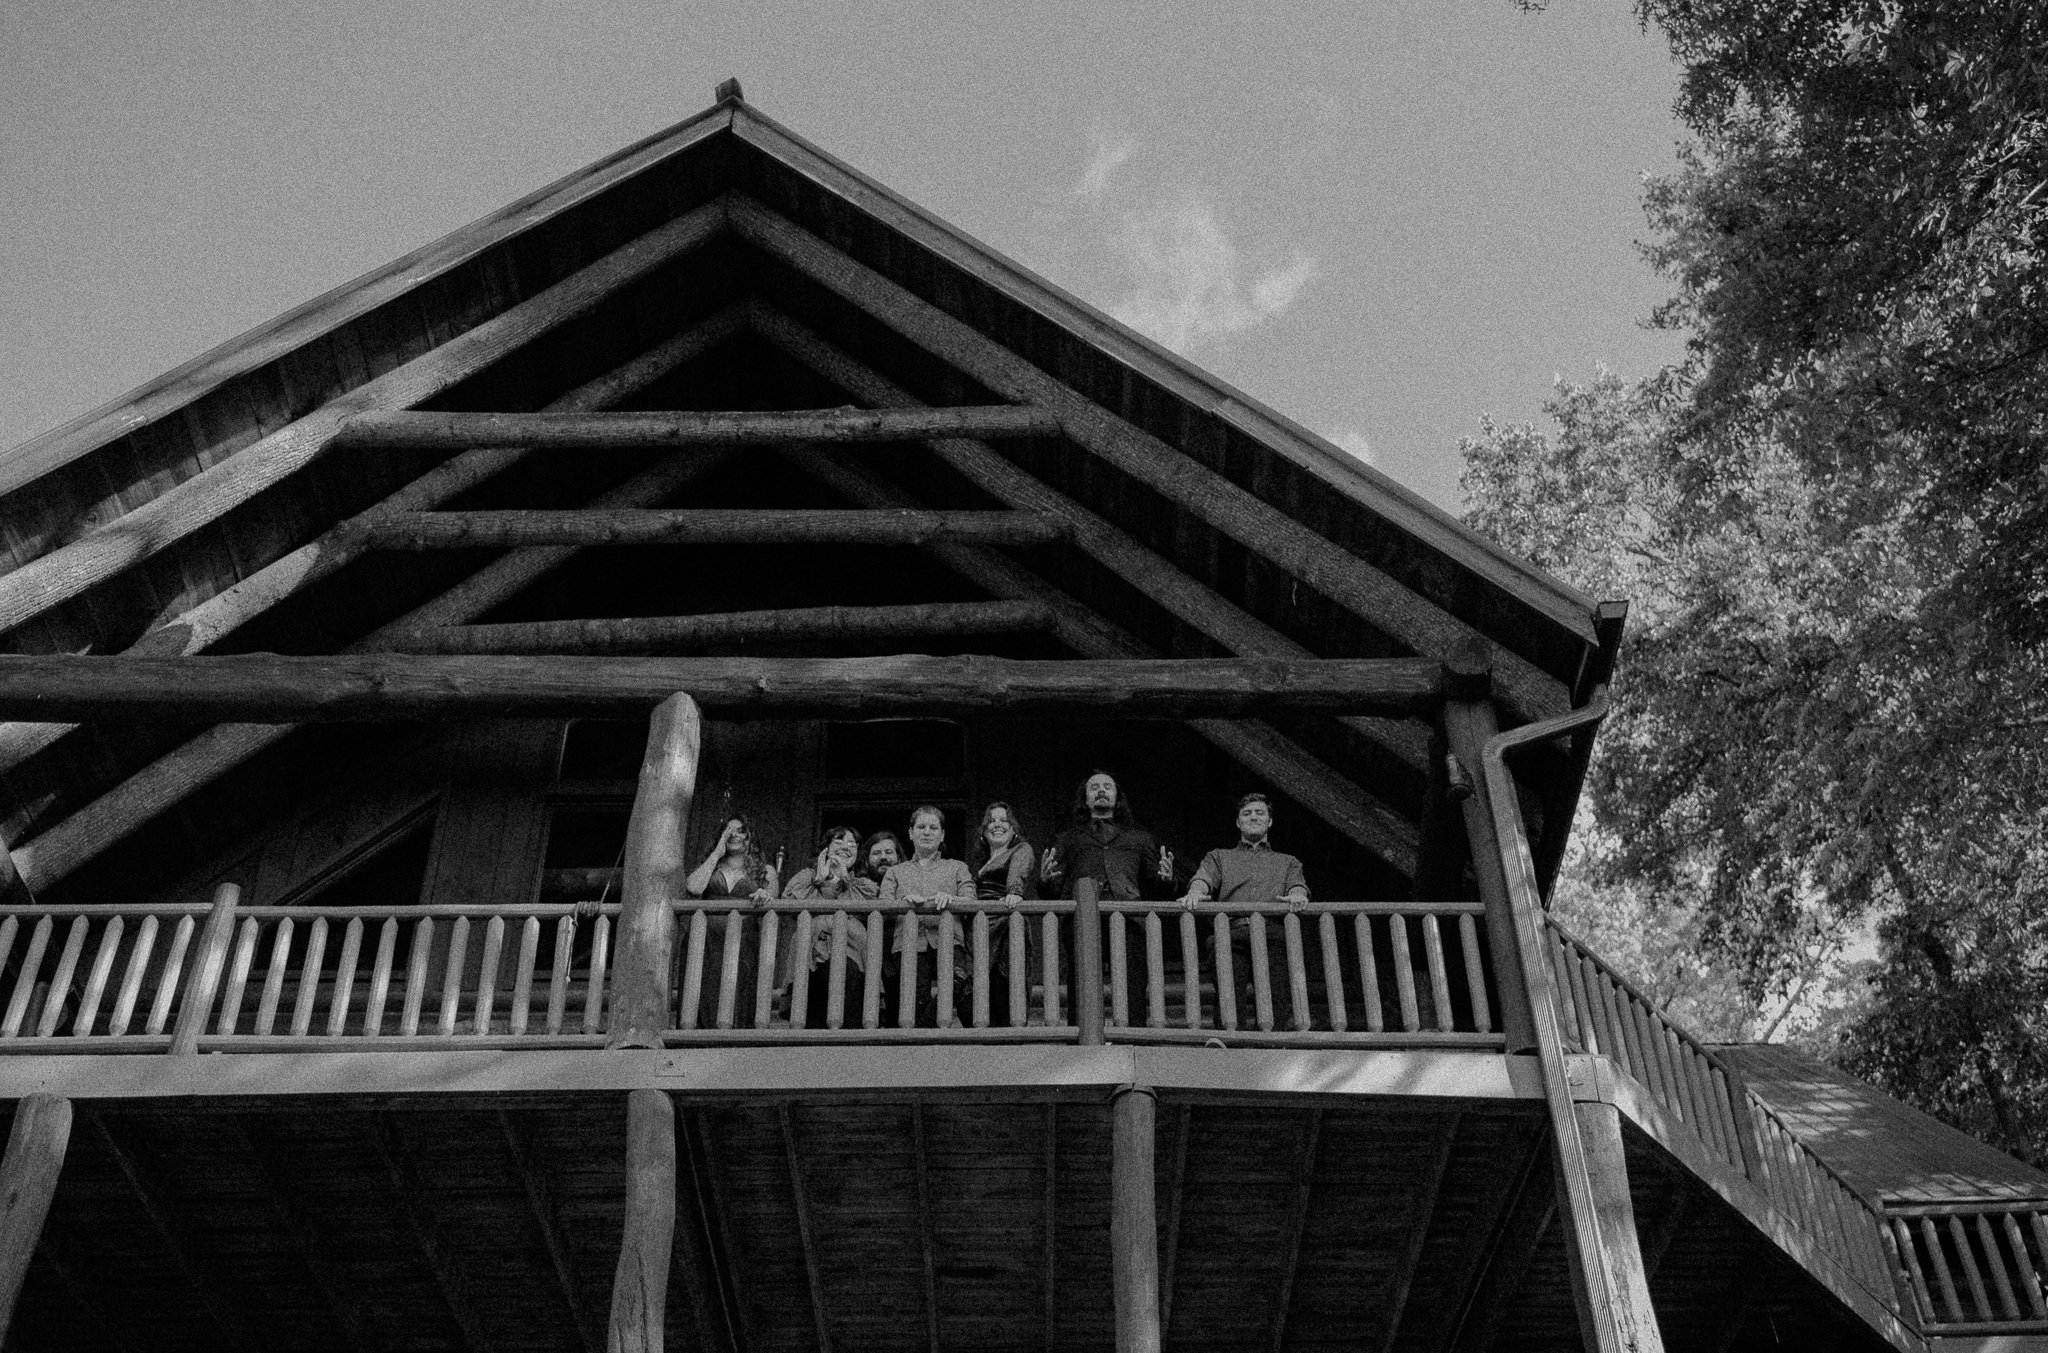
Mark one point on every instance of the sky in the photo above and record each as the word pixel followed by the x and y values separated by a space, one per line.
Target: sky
pixel 1383 218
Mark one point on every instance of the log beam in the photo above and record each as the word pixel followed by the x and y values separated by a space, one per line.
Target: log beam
pixel 1320 563
pixel 28 1181
pixel 1172 588
pixel 581 431
pixel 530 527
pixel 668 633
pixel 371 688
pixel 640 1289
pixel 654 872
pixel 1133 1226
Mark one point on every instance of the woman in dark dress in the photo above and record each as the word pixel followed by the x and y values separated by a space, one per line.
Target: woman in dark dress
pixel 733 870
pixel 1005 870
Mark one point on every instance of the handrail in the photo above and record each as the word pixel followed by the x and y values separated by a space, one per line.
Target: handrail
pixel 2002 1240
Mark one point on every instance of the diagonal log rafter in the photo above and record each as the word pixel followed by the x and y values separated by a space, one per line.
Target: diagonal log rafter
pixel 1189 601
pixel 1320 563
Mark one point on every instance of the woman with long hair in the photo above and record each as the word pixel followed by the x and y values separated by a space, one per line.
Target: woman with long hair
pixel 733 870
pixel 835 877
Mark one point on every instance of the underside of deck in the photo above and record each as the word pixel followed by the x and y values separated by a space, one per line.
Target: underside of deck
pixel 882 1219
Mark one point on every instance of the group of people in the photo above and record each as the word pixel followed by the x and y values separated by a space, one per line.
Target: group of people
pixel 1102 841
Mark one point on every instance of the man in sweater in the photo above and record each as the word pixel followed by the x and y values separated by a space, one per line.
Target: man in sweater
pixel 1247 873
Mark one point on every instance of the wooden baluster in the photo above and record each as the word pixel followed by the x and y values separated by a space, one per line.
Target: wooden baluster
pixel 693 969
pixel 871 975
pixel 1475 974
pixel 1368 975
pixel 273 977
pixel 1439 977
pixel 835 975
pixel 1626 1036
pixel 1020 974
pixel 1688 1088
pixel 380 977
pixel 132 975
pixel 1568 1012
pixel 981 970
pixel 2037 1226
pixel 801 945
pixel 9 930
pixel 1333 972
pixel 485 1008
pixel 1590 1038
pixel 1226 976
pixel 729 970
pixel 451 975
pixel 945 964
pixel 381 965
pixel 1655 1054
pixel 1972 1272
pixel 1190 970
pixel 560 974
pixel 906 971
pixel 25 983
pixel 1119 972
pixel 1404 971
pixel 1262 973
pixel 1049 945
pixel 345 977
pixel 522 981
pixel 167 980
pixel 2009 1302
pixel 416 977
pixel 309 977
pixel 96 980
pixel 238 978
pixel 1908 1256
pixel 1725 1111
pixel 1155 971
pixel 600 963
pixel 60 983
pixel 1297 971
pixel 1588 993
pixel 764 964
pixel 2023 1264
pixel 1711 1111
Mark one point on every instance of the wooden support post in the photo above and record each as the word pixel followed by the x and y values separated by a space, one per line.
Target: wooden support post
pixel 640 1290
pixel 28 1180
pixel 654 870
pixel 202 978
pixel 634 431
pixel 1468 724
pixel 1133 1228
pixel 1614 1223
pixel 1088 960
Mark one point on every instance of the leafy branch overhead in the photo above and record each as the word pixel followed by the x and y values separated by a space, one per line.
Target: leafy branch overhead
pixel 1832 522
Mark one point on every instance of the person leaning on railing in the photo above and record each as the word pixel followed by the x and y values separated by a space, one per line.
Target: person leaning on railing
pixel 1248 872
pixel 834 877
pixel 733 870
pixel 928 879
pixel 1006 871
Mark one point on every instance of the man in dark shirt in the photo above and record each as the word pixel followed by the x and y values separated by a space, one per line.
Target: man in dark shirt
pixel 1106 844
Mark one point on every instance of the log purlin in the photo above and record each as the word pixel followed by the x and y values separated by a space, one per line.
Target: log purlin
pixel 382 687
pixel 662 633
pixel 528 527
pixel 588 431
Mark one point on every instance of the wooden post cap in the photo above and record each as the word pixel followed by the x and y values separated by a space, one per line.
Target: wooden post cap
pixel 1468 671
pixel 729 91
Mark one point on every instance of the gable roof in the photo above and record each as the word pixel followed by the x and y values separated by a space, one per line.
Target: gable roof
pixel 197 512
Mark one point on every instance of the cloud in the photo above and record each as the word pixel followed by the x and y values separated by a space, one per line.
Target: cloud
pixel 1102 165
pixel 1354 441
pixel 1192 284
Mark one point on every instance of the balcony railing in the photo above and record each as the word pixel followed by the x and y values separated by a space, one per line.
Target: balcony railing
pixel 2000 1250
pixel 138 978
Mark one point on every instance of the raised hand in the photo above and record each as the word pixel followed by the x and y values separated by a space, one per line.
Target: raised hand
pixel 1165 863
pixel 1049 867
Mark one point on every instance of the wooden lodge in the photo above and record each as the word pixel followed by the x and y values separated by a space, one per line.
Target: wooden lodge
pixel 373 683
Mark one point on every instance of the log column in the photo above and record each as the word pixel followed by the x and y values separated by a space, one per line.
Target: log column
pixel 1133 1227
pixel 28 1180
pixel 1088 960
pixel 1468 725
pixel 1629 1316
pixel 640 1289
pixel 654 872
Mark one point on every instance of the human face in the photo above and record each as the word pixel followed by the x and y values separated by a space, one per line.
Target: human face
pixel 1100 793
pixel 998 830
pixel 736 838
pixel 843 851
pixel 882 855
pixel 1254 820
pixel 926 832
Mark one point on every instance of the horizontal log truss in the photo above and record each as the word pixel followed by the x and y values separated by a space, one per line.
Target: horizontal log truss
pixel 575 431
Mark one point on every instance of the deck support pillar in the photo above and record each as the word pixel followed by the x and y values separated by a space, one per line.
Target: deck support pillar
pixel 1133 1226
pixel 640 1288
pixel 653 880
pixel 1634 1320
pixel 28 1180
pixel 1469 723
